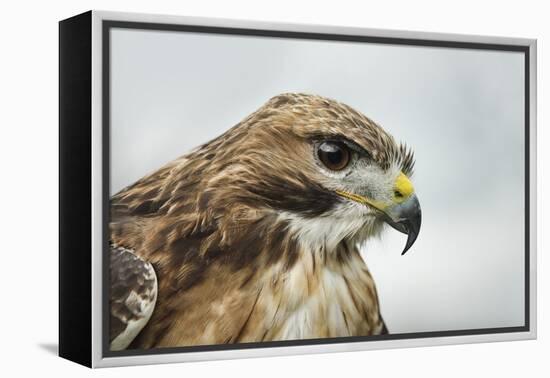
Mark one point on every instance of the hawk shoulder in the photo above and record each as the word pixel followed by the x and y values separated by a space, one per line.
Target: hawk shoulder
pixel 133 294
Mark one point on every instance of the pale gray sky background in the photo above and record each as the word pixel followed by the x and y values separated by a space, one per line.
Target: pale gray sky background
pixel 461 110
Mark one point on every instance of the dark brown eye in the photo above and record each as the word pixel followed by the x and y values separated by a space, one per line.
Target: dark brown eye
pixel 334 155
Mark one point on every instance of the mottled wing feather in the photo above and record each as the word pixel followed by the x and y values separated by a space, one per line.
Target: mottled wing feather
pixel 133 294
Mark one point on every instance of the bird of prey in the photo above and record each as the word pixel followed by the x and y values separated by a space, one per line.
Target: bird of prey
pixel 255 235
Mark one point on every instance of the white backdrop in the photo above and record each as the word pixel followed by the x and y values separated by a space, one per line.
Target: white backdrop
pixel 29 166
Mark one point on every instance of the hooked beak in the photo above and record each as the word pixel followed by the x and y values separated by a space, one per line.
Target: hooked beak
pixel 405 217
pixel 403 214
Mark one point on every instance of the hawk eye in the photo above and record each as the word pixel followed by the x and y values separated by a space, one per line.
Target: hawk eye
pixel 334 155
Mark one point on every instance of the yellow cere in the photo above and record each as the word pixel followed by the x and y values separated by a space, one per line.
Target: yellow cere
pixel 403 188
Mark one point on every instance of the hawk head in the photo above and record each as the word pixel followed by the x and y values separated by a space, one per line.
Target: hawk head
pixel 301 165
pixel 330 173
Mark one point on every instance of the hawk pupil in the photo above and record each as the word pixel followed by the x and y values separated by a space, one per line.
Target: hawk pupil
pixel 334 155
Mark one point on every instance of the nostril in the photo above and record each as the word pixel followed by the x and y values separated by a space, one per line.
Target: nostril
pixel 398 194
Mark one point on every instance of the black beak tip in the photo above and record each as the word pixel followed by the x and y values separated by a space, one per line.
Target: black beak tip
pixel 413 229
pixel 406 218
pixel 407 246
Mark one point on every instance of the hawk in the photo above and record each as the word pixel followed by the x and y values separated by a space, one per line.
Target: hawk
pixel 255 235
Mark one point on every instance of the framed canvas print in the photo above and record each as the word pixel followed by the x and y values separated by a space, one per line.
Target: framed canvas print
pixel 234 189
